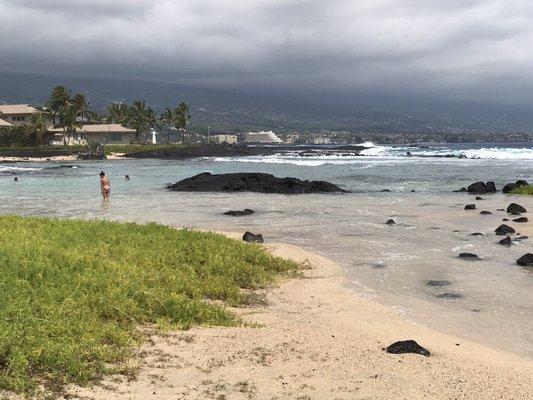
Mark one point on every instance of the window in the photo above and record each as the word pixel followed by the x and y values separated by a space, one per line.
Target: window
pixel 115 137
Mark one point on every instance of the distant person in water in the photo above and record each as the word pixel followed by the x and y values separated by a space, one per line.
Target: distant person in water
pixel 16 179
pixel 127 177
pixel 105 185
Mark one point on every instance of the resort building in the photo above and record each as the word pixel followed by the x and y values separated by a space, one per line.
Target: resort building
pixel 262 138
pixel 103 133
pixel 17 114
pixel 4 123
pixel 230 139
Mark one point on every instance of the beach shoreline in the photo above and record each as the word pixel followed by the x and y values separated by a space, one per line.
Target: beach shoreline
pixel 314 338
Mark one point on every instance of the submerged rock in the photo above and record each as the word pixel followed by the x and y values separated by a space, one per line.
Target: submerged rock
pixel 470 207
pixel 252 238
pixel 521 238
pixel 526 260
pixel 521 219
pixel 461 190
pixel 238 213
pixel 407 346
pixel 390 222
pixel 436 283
pixel 506 242
pixel 485 213
pixel 449 296
pixel 251 182
pixel 515 209
pixel 504 230
pixel 476 234
pixel 469 256
pixel 479 198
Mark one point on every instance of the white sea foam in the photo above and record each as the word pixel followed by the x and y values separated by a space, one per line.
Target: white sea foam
pixel 16 170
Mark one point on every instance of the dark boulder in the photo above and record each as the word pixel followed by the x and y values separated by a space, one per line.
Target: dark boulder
pixel 477 187
pixel 461 190
pixel 251 182
pixel 252 238
pixel 238 213
pixel 407 346
pixel 476 234
pixel 515 209
pixel 435 283
pixel 470 207
pixel 385 190
pixel 479 198
pixel 485 213
pixel 390 222
pixel 469 256
pixel 504 230
pixel 511 186
pixel 521 219
pixel 505 219
pixel 526 260
pixel 506 242
pixel 491 187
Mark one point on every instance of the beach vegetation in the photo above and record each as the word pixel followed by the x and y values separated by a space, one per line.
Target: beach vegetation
pixel 75 294
pixel 523 189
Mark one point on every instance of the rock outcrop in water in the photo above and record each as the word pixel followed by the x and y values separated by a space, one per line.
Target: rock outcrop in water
pixel 252 182
pixel 504 230
pixel 407 346
pixel 252 237
pixel 239 213
pixel 469 256
pixel 511 186
pixel 482 188
pixel 506 242
pixel 515 209
pixel 470 207
pixel 526 260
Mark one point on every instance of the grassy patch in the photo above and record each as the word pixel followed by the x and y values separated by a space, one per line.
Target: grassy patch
pixel 525 189
pixel 74 292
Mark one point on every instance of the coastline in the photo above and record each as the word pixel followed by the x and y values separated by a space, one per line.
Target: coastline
pixel 316 339
pixel 113 156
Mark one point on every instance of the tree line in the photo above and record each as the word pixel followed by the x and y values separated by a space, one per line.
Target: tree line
pixel 70 112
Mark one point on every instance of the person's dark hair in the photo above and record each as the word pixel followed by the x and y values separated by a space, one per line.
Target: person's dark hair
pixel 102 173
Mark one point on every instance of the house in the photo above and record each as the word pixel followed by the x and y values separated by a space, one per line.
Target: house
pixel 17 114
pixel 262 138
pixel 104 133
pixel 4 123
pixel 223 138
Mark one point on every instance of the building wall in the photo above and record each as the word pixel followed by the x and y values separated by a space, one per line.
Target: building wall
pixel 112 137
pixel 223 139
pixel 17 119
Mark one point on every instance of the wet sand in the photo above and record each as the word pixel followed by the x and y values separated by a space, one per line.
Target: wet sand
pixel 313 338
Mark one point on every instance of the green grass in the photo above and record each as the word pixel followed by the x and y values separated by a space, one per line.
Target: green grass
pixel 73 293
pixel 525 189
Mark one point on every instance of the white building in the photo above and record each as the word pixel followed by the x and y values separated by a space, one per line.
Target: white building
pixel 17 114
pixel 230 139
pixel 262 137
pixel 104 133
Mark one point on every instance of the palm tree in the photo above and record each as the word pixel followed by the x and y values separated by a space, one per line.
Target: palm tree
pixel 167 119
pixel 182 117
pixel 39 123
pixel 139 118
pixel 118 113
pixel 81 105
pixel 68 120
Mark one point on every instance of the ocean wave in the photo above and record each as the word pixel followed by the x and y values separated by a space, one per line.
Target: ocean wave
pixel 13 170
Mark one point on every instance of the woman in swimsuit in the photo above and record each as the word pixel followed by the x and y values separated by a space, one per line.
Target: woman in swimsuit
pixel 105 185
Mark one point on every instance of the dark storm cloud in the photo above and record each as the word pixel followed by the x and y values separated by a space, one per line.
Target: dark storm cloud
pixel 469 48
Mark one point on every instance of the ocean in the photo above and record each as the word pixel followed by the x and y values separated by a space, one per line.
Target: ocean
pixel 489 301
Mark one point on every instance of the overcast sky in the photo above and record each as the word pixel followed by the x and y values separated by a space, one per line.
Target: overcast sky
pixel 460 48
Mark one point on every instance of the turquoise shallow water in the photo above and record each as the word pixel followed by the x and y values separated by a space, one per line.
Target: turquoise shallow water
pixel 390 264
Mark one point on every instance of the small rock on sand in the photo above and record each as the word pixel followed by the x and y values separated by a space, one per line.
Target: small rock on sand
pixel 407 346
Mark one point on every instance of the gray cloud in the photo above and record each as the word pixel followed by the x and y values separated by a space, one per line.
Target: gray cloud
pixel 461 48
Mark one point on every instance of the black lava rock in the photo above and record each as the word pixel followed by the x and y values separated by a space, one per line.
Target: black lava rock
pixel 251 182
pixel 521 219
pixel 505 219
pixel 238 213
pixel 470 207
pixel 479 198
pixel 491 187
pixel 506 242
pixel 476 234
pixel 252 238
pixel 515 209
pixel 407 346
pixel 390 222
pixel 521 238
pixel 453 296
pixel 511 186
pixel 438 283
pixel 469 256
pixel 504 230
pixel 485 213
pixel 478 187
pixel 526 260
pixel 461 190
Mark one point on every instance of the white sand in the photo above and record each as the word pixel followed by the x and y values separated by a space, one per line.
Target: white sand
pixel 316 339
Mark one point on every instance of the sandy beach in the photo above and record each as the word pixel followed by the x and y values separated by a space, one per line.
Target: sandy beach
pixel 313 338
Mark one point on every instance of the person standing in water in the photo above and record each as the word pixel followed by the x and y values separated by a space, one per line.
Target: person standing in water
pixel 105 185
